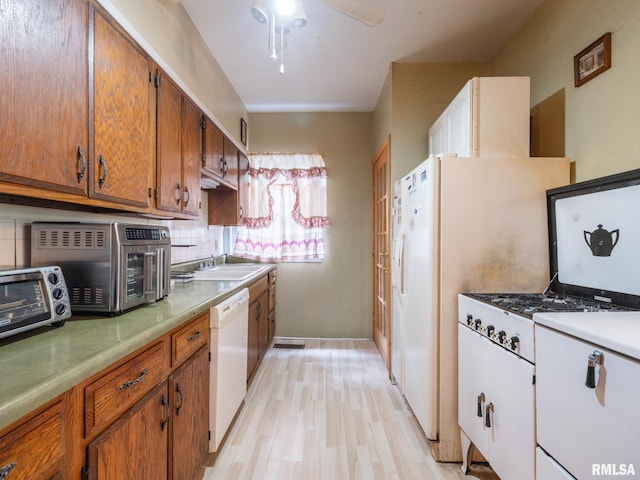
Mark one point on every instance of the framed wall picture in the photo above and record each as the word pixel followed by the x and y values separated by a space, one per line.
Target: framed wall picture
pixel 593 60
pixel 243 132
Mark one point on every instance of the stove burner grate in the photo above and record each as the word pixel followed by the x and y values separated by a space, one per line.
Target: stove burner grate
pixel 529 303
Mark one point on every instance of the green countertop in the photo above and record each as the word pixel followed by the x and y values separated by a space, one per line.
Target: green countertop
pixel 41 364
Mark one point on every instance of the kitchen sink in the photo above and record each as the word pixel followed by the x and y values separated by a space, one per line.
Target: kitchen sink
pixel 230 271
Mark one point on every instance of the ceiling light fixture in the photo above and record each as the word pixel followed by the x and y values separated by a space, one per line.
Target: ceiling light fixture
pixel 282 16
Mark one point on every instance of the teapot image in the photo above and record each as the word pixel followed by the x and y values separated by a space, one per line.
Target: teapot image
pixel 601 241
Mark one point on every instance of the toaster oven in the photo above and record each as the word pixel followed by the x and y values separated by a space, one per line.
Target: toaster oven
pixel 32 297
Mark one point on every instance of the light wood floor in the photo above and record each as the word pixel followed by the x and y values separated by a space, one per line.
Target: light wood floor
pixel 327 411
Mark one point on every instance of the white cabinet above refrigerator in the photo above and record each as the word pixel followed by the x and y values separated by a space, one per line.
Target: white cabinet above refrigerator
pixel 488 117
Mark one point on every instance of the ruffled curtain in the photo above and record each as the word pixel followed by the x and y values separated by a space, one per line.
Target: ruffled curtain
pixel 287 209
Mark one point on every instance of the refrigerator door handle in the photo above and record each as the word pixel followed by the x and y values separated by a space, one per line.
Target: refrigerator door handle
pixel 401 261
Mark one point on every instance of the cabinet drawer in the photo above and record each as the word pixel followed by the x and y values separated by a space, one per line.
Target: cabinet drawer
pixel 117 390
pixel 257 287
pixel 189 339
pixel 34 450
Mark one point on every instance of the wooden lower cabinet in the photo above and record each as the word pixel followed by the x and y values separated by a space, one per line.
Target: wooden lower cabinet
pixel 259 324
pixel 165 434
pixel 189 427
pixel 136 445
pixel 35 449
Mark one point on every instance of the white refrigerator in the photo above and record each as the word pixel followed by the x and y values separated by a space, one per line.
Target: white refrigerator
pixel 460 225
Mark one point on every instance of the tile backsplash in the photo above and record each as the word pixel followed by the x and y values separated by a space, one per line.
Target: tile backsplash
pixel 192 239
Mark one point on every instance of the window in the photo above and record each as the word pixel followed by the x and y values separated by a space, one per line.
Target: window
pixel 287 209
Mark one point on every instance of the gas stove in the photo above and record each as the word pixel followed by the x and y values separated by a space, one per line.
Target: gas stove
pixel 527 304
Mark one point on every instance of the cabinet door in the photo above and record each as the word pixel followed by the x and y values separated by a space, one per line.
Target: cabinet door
pixel 263 323
pixel 35 449
pixel 472 387
pixel 213 152
pixel 580 426
pixel 512 436
pixel 189 391
pixel 252 340
pixel 169 154
pixel 191 157
pixel 243 186
pixel 230 163
pixel 136 445
pixel 44 100
pixel 121 77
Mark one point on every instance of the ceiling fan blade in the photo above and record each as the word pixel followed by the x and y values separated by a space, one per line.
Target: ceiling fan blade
pixel 360 10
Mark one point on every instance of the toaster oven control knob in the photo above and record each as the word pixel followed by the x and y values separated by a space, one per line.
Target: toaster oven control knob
pixel 490 330
pixel 60 309
pixel 57 293
pixel 501 336
pixel 53 278
pixel 469 319
pixel 478 324
pixel 515 341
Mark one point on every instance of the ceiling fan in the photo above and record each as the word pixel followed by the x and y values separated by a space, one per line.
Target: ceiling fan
pixel 362 10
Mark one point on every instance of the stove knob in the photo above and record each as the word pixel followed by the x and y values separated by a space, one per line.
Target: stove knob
pixel 515 341
pixel 501 336
pixel 478 324
pixel 469 320
pixel 490 330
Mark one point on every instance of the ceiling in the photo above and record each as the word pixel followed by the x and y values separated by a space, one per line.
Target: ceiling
pixel 336 63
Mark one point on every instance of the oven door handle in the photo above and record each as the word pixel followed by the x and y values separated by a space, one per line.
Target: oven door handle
pixel 151 275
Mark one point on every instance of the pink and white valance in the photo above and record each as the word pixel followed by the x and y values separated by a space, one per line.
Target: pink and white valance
pixel 287 208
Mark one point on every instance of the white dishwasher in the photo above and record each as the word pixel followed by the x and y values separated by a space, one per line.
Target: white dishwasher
pixel 229 333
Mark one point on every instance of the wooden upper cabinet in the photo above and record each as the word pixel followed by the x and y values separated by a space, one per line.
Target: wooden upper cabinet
pixel 179 151
pixel 191 156
pixel 120 75
pixel 169 164
pixel 213 150
pixel 243 186
pixel 230 162
pixel 44 99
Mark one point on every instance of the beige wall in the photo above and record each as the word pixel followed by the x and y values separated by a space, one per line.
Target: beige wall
pixel 164 29
pixel 332 298
pixel 602 124
pixel 419 94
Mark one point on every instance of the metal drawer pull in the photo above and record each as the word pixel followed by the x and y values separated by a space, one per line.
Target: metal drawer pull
pixel 487 417
pixel 83 168
pixel 6 470
pixel 195 336
pixel 131 383
pixel 480 402
pixel 596 358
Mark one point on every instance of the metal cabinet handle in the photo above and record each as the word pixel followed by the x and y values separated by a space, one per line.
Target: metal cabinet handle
pixel 487 414
pixel 131 383
pixel 221 165
pixel 178 193
pixel 103 177
pixel 181 395
pixel 167 412
pixel 6 470
pixel 480 402
pixel 187 196
pixel 195 336
pixel 596 358
pixel 83 167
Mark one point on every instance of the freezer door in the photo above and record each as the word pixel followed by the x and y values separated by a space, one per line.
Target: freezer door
pixel 421 205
